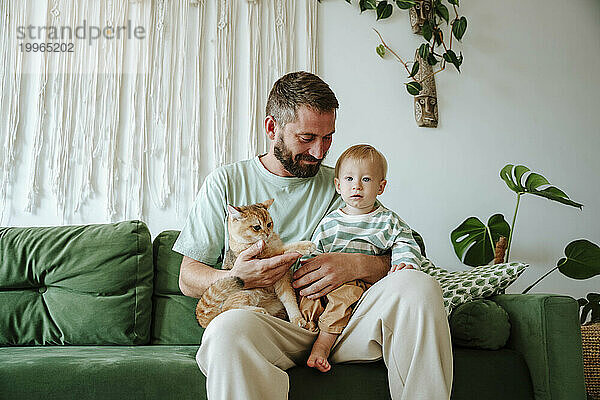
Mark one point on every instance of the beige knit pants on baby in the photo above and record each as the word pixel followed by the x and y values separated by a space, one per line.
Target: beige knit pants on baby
pixel 401 319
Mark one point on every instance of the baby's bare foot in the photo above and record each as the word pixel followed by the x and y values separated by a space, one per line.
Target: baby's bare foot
pixel 318 361
pixel 320 351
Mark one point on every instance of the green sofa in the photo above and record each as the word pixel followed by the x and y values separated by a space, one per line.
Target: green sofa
pixel 95 312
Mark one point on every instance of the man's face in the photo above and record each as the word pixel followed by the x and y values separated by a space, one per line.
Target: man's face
pixel 301 145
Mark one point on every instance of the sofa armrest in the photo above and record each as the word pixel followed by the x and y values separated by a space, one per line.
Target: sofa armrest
pixel 545 329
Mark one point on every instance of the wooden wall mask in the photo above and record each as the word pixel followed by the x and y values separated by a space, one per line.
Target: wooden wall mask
pixel 419 13
pixel 426 104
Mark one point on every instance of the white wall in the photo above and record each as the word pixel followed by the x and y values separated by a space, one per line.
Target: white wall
pixel 527 94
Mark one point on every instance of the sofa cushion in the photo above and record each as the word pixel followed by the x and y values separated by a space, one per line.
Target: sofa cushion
pixel 490 375
pixel 77 285
pixel 173 314
pixel 480 324
pixel 101 372
pixel 458 287
pixel 478 374
pixel 170 372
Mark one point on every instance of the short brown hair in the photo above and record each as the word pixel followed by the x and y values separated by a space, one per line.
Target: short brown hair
pixel 360 152
pixel 297 89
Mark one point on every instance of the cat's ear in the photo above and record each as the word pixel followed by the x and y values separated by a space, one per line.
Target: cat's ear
pixel 234 212
pixel 267 203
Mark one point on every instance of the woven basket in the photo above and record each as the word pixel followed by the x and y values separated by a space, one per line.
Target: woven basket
pixel 590 336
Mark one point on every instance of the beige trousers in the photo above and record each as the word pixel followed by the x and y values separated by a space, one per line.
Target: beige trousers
pixel 332 312
pixel 401 319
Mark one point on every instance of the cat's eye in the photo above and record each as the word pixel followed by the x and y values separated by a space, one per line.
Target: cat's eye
pixel 270 224
pixel 256 227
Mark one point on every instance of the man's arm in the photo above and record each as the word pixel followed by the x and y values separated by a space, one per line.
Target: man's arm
pixel 326 272
pixel 195 277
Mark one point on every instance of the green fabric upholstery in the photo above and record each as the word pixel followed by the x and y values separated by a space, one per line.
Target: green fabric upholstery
pixel 480 324
pixel 546 330
pixel 342 382
pixel 76 285
pixel 490 375
pixel 478 374
pixel 174 320
pixel 93 285
pixel 101 373
pixel 170 372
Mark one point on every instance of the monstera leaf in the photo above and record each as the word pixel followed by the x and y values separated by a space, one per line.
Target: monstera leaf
pixel 513 176
pixel 473 242
pixel 582 260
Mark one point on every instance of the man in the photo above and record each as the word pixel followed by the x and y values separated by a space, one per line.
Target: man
pixel 244 354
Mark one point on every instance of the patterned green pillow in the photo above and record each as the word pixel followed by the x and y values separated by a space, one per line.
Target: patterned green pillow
pixel 458 287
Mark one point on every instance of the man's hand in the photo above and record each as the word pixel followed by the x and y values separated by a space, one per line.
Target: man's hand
pixel 261 272
pixel 326 272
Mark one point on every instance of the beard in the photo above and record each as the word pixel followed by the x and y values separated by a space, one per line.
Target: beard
pixel 292 163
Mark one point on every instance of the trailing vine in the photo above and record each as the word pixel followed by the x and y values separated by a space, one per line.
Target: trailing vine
pixel 437 49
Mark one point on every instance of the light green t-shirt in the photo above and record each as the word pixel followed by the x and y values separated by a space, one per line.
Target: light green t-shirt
pixel 299 206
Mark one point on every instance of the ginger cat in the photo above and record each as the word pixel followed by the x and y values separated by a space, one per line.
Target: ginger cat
pixel 247 225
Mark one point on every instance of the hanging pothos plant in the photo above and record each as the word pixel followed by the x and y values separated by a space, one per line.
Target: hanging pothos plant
pixel 429 18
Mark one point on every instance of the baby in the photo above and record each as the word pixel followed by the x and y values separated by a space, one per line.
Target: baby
pixel 362 226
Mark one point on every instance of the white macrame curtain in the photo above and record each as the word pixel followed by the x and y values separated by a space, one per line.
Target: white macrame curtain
pixel 10 89
pixel 282 55
pixel 127 120
pixel 311 35
pixel 195 144
pixel 224 63
pixel 254 68
pixel 38 133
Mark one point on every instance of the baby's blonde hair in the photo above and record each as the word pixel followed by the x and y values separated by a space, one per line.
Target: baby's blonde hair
pixel 360 152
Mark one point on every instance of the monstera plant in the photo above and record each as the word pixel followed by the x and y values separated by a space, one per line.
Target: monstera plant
pixel 475 242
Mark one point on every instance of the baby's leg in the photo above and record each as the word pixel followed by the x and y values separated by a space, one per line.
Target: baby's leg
pixel 320 351
pixel 333 320
pixel 311 310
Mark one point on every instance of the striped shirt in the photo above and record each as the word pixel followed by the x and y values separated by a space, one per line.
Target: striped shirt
pixel 374 233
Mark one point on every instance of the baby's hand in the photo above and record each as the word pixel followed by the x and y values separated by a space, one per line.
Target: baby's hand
pixel 400 266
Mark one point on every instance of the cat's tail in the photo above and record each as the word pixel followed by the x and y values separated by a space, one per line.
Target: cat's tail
pixel 211 303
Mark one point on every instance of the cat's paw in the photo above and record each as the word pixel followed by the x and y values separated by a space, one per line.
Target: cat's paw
pixel 306 248
pixel 256 309
pixel 301 322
